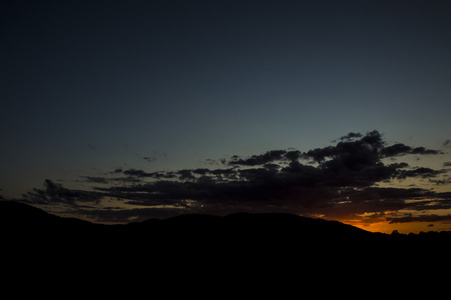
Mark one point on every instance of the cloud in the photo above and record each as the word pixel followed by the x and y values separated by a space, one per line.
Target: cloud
pixel 143 174
pixel 96 179
pixel 351 136
pixel 351 151
pixel 419 172
pixel 150 158
pixel 268 157
pixel 421 218
pixel 342 182
pixel 401 149
pixel 56 193
pixel 137 173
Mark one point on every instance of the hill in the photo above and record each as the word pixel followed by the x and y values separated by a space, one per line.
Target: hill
pixel 25 226
pixel 25 219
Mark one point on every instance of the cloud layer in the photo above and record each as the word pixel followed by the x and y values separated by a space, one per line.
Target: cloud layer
pixel 348 180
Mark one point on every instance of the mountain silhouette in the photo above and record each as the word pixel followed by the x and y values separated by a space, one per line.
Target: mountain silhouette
pixel 25 227
pixel 23 215
pixel 21 218
pixel 202 251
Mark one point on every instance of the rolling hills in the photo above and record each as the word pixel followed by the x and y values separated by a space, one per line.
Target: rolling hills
pixel 24 226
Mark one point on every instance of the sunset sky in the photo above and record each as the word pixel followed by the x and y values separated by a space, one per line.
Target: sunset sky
pixel 118 111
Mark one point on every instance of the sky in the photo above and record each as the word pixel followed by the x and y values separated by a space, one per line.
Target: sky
pixel 118 111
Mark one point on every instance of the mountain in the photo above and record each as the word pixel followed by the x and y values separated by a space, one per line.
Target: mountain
pixel 16 217
pixel 192 253
pixel 256 227
pixel 33 225
pixel 23 217
pixel 195 251
pixel 25 225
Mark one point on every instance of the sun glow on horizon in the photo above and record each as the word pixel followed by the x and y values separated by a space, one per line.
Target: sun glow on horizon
pixel 405 228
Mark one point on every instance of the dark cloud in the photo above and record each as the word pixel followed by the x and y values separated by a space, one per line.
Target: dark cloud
pixel 137 173
pixel 422 150
pixel 351 151
pixel 446 180
pixel 268 157
pixel 397 149
pixel 419 172
pixel 185 175
pixel 401 149
pixel 150 158
pixel 96 179
pixel 421 218
pixel 141 174
pixel 120 215
pixel 211 161
pixel 343 182
pixel 351 136
pixel 56 193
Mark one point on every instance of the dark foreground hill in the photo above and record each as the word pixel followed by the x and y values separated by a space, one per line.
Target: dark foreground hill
pixel 18 219
pixel 196 253
pixel 189 254
pixel 29 229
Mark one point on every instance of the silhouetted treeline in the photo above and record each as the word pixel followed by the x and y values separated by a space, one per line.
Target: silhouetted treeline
pixel 429 236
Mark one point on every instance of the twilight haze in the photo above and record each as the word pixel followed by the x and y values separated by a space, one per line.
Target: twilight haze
pixel 118 111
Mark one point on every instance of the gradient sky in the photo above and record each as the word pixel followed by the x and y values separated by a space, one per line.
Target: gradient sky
pixel 93 87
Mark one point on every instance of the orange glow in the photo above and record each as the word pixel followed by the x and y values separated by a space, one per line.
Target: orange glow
pixel 383 226
pixel 386 227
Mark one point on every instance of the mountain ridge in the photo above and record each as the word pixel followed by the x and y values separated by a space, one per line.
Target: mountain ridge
pixel 26 216
pixel 34 225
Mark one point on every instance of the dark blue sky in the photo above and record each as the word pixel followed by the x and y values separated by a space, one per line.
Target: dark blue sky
pixel 88 87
